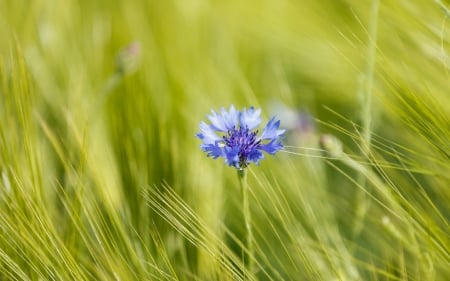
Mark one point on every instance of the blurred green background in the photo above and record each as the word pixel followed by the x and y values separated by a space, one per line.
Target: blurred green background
pixel 102 177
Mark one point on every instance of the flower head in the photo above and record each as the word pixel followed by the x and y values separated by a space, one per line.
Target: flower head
pixel 233 135
pixel 128 59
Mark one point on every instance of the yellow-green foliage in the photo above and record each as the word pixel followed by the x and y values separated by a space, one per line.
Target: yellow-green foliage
pixel 102 178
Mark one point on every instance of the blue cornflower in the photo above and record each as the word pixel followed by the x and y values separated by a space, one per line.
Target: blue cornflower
pixel 233 135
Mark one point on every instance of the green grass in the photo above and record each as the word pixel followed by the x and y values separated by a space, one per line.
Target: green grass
pixel 102 178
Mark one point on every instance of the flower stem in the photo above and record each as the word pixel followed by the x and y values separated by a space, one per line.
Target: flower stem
pixel 242 175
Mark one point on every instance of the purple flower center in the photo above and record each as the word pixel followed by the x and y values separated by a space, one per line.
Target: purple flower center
pixel 244 141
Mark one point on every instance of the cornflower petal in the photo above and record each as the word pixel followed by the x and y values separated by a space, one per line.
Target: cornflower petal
pixel 217 122
pixel 230 118
pixel 271 130
pixel 207 134
pixel 272 147
pixel 255 156
pixel 251 118
pixel 212 150
pixel 232 156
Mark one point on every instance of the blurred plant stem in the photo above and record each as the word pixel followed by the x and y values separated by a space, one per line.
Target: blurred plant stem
pixel 361 201
pixel 443 7
pixel 127 62
pixel 242 175
pixel 334 147
pixel 110 84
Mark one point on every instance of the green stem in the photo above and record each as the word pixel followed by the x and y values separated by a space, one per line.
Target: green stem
pixel 362 202
pixel 242 175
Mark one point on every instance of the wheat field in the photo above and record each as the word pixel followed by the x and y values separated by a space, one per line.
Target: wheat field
pixel 102 175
